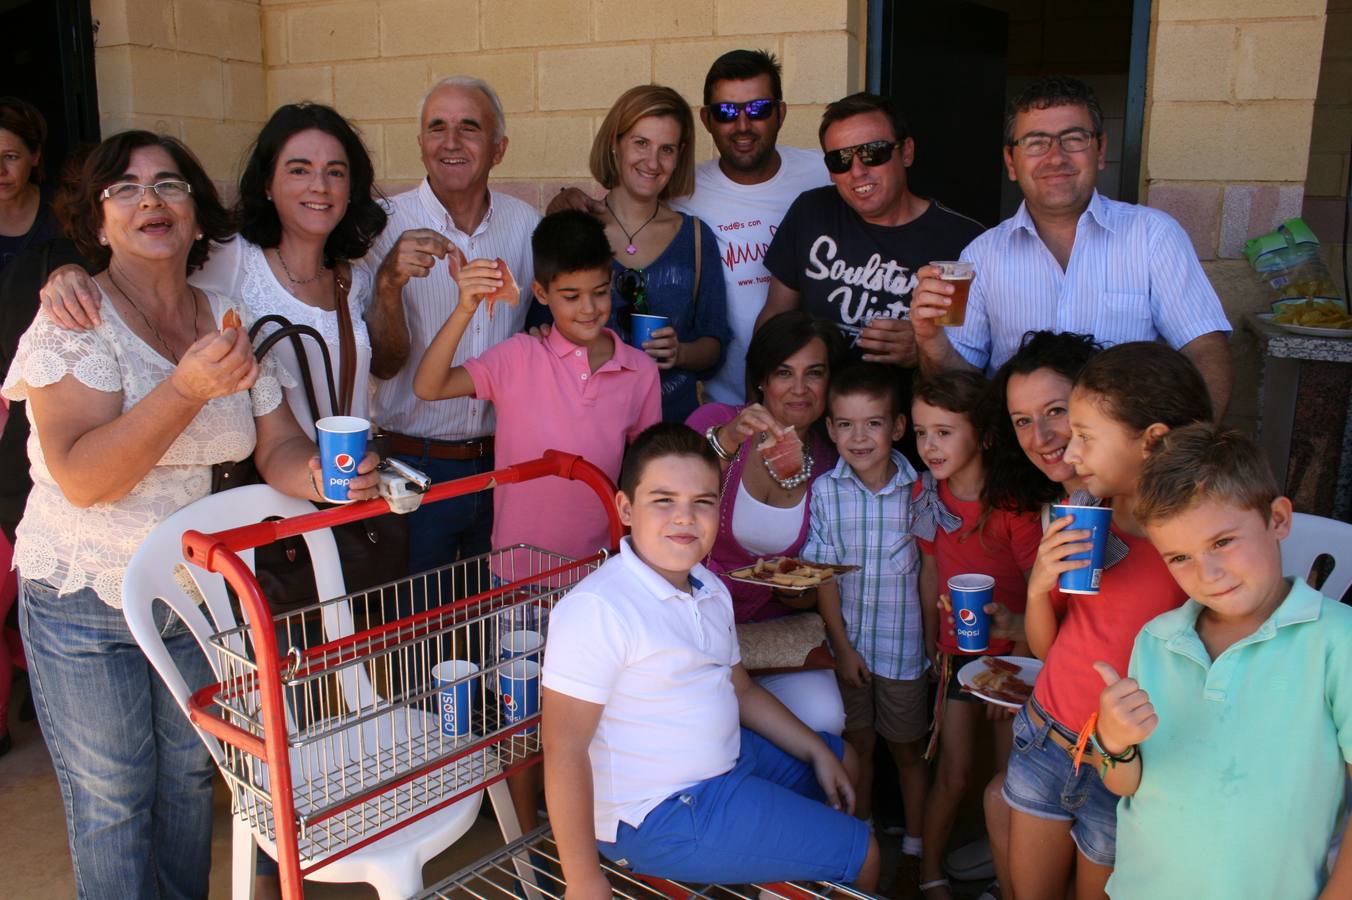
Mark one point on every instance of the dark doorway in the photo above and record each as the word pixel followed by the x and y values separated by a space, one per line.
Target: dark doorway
pixel 48 60
pixel 951 66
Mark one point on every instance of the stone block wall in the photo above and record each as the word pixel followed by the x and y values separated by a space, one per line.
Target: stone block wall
pixel 191 68
pixel 557 64
pixel 1230 101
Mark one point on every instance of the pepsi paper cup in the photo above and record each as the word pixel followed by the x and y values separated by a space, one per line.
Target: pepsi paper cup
pixel 524 644
pixel 1095 520
pixel 643 327
pixel 342 444
pixel 519 692
pixel 456 697
pixel 969 595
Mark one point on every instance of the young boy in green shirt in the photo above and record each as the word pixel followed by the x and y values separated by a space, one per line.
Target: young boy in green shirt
pixel 1230 739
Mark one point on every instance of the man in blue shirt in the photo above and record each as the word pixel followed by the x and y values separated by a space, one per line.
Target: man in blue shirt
pixel 1071 259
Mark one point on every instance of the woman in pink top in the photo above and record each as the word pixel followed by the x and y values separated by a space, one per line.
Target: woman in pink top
pixel 788 368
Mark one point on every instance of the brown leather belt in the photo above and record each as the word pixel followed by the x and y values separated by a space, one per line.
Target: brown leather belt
pixel 1092 758
pixel 407 445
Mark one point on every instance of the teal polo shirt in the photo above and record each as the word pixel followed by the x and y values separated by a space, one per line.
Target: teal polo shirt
pixel 1243 779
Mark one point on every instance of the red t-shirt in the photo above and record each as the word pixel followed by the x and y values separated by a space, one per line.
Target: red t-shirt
pixel 1103 627
pixel 1005 549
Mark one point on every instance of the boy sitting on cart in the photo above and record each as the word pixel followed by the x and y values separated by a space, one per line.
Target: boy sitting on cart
pixel 660 751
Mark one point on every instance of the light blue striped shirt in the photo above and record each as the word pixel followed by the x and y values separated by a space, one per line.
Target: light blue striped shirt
pixel 851 525
pixel 1132 276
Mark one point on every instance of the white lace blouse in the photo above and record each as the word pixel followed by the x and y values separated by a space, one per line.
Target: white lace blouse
pixel 73 548
pixel 238 268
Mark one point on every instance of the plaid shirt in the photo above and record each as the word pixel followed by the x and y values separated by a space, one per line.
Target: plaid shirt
pixel 851 525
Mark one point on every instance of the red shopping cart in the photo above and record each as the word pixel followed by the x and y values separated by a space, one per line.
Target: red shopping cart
pixel 333 718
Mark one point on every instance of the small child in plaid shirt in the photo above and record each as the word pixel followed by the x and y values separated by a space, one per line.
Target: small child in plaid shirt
pixel 861 516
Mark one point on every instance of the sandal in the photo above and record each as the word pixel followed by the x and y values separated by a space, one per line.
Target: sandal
pixel 931 885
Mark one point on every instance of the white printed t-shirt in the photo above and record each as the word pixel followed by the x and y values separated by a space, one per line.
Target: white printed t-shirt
pixel 744 218
pixel 660 661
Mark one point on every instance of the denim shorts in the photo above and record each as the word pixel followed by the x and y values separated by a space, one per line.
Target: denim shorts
pixel 763 821
pixel 1040 781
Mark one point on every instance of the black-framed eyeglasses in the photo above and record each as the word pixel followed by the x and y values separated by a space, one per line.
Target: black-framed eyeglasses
pixel 632 287
pixel 1072 140
pixel 874 153
pixel 756 110
pixel 132 191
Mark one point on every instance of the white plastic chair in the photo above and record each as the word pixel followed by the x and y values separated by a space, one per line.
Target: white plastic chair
pixel 393 864
pixel 1312 537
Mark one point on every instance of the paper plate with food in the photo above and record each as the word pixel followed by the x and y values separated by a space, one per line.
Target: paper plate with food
pixel 1313 318
pixel 786 573
pixel 1003 680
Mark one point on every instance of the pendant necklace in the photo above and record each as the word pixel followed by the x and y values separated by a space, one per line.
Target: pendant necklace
pixel 291 278
pixel 631 249
pixel 153 330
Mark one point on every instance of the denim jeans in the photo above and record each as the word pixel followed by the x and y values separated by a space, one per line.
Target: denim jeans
pixel 134 776
pixel 441 533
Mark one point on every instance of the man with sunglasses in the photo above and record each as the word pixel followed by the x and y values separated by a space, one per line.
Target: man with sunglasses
pixel 850 252
pixel 1071 259
pixel 744 193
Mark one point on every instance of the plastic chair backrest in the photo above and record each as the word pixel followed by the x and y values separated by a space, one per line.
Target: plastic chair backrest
pixel 1312 537
pixel 150 576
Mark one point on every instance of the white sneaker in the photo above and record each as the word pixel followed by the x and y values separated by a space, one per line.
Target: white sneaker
pixel 971 862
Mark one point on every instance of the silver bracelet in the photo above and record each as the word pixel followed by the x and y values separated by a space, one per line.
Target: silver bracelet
pixel 712 436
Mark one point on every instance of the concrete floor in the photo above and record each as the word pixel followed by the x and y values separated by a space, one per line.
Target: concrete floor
pixel 36 861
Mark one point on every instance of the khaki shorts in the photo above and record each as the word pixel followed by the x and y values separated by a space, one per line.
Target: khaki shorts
pixel 897 710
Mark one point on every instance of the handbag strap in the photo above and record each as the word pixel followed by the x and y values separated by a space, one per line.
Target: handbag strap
pixel 347 340
pixel 694 292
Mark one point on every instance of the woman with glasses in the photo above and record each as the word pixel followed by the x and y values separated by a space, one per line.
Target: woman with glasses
pixel 128 418
pixel 666 263
pixel 761 514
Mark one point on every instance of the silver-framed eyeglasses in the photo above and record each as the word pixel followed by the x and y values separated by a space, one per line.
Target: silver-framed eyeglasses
pixel 1072 140
pixel 132 191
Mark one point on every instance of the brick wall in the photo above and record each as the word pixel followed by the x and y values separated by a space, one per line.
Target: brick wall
pixel 1331 136
pixel 557 64
pixel 1230 100
pixel 191 68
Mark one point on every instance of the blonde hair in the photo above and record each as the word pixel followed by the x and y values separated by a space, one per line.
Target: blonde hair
pixel 642 102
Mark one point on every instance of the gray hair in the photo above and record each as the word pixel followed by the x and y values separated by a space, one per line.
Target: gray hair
pixel 469 82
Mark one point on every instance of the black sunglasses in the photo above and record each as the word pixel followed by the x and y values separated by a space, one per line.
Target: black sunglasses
pixel 874 153
pixel 756 110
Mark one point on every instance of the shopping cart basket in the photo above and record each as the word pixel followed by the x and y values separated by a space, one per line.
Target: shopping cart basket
pixel 339 739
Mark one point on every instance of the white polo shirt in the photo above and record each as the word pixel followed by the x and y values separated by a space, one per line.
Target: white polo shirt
pixel 660 661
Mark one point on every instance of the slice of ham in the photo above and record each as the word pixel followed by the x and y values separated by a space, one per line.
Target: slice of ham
pixel 784 454
pixel 231 319
pixel 508 293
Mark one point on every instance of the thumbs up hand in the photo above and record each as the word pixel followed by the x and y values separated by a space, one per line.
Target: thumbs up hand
pixel 1126 715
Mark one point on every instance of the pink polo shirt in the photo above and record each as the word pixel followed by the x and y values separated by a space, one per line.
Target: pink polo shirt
pixel 547 398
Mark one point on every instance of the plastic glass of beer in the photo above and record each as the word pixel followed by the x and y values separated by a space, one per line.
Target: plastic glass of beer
pixel 959 274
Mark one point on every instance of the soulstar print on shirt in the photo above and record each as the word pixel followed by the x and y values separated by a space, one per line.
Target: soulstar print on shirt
pixel 849 271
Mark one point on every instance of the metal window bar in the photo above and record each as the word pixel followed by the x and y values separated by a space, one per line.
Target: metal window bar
pixel 333 727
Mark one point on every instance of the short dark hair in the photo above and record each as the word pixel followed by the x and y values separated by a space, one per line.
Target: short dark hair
pixel 743 65
pixel 657 441
pixel 1204 462
pixel 257 215
pixel 957 391
pixel 1012 481
pixel 23 119
pixel 781 337
pixel 1049 91
pixel 872 380
pixel 1142 383
pixel 80 208
pixel 569 241
pixel 858 105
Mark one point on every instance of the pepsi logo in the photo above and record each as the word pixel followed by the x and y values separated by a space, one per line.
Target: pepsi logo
pixel 345 463
pixel 508 702
pixel 967 617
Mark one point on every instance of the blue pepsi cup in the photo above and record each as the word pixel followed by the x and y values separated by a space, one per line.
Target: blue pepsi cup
pixel 342 444
pixel 455 698
pixel 1095 520
pixel 525 644
pixel 519 691
pixel 643 327
pixel 969 595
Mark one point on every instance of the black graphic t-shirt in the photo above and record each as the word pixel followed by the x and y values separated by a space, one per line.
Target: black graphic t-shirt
pixel 849 271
